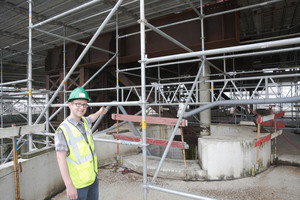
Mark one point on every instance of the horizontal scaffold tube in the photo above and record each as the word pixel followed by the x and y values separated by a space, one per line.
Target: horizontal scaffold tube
pixel 14 82
pixel 66 13
pixel 125 142
pixel 262 45
pixel 128 103
pixel 178 193
pixel 242 102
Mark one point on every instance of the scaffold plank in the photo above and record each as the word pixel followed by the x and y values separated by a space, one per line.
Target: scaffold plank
pixel 21 130
pixel 269 117
pixel 158 142
pixel 267 138
pixel 278 124
pixel 149 120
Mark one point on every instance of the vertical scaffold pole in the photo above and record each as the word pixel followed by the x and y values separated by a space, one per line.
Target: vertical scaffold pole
pixel 202 26
pixel 47 121
pixel 117 56
pixel 117 78
pixel 143 100
pixel 2 108
pixel 64 66
pixel 29 74
pixel 257 148
pixel 202 31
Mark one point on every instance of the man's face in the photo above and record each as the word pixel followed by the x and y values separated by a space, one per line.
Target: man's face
pixel 78 107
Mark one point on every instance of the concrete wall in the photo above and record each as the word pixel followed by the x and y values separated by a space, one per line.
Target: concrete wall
pixel 107 152
pixel 164 133
pixel 229 152
pixel 40 178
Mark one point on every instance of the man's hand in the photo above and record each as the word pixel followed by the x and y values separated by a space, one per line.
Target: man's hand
pixel 94 116
pixel 71 192
pixel 102 110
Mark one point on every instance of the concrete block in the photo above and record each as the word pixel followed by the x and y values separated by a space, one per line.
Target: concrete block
pixel 36 152
pixel 171 168
pixel 229 152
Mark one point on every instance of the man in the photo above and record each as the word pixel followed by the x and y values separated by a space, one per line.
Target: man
pixel 75 150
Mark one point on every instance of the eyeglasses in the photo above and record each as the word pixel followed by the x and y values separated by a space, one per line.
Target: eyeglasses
pixel 81 104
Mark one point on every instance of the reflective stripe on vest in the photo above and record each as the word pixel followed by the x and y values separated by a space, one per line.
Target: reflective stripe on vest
pixel 80 159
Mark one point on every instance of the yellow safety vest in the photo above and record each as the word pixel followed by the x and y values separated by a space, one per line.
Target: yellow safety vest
pixel 82 160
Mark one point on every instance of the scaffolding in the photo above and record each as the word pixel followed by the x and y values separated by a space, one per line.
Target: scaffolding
pixel 266 88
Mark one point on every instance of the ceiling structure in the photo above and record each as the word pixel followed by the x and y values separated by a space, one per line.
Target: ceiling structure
pixel 261 20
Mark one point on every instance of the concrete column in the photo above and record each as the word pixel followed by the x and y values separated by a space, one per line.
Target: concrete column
pixel 204 94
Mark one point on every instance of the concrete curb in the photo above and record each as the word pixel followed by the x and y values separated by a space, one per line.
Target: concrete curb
pixel 172 168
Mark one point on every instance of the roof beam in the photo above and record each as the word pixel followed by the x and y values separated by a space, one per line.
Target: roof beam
pixel 124 10
pixel 18 36
pixel 39 17
pixel 13 52
pixel 193 7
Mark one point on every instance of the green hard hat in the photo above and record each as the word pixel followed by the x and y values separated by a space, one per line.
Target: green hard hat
pixel 78 93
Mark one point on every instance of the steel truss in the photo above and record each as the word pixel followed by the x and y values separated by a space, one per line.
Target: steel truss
pixel 266 89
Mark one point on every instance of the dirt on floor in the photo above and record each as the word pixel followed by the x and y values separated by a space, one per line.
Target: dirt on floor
pixel 278 182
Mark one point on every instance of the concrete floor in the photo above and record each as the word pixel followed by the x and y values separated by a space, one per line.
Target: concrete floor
pixel 278 182
pixel 288 153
